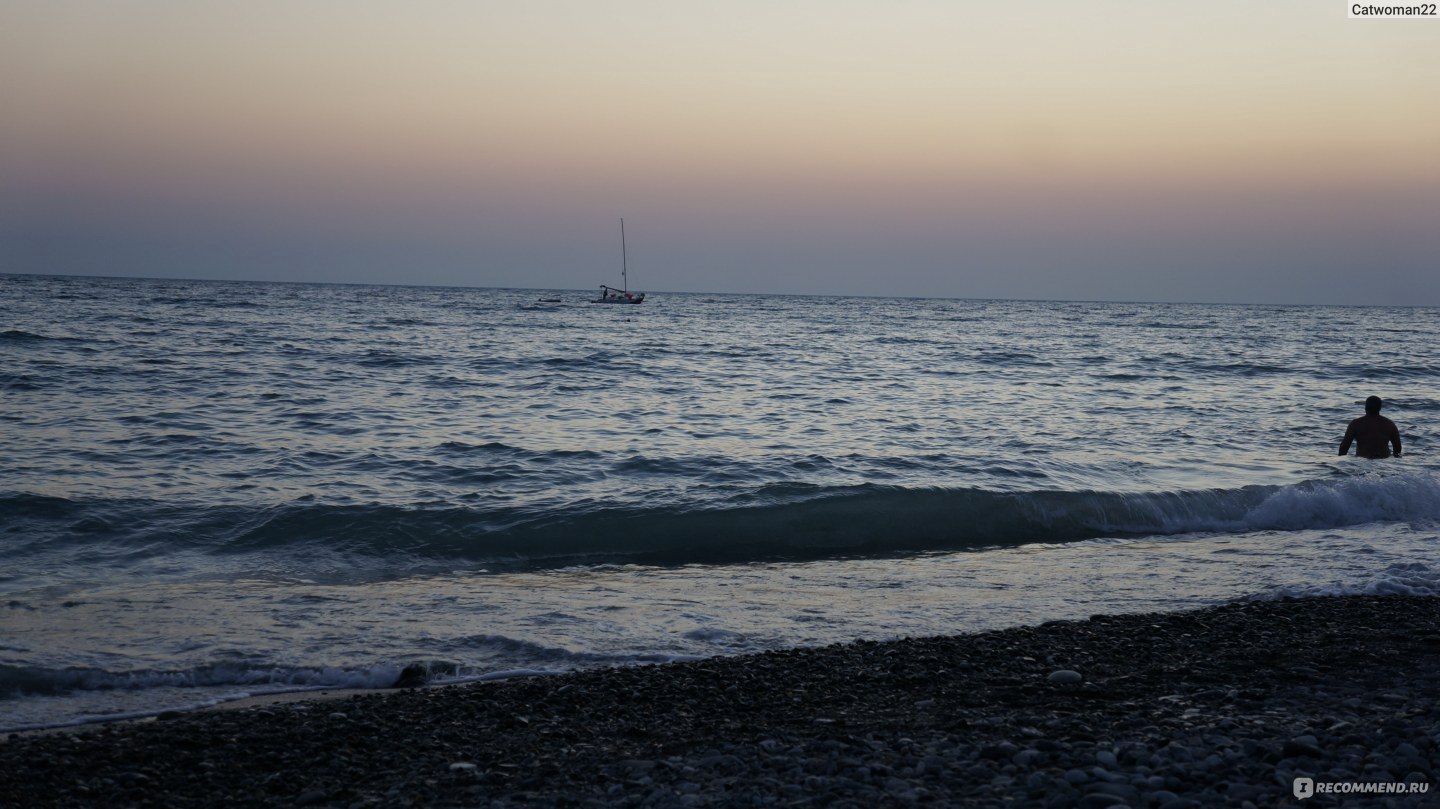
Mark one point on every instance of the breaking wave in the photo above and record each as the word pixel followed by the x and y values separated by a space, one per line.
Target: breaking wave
pixel 783 521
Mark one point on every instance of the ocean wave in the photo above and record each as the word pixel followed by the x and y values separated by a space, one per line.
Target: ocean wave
pixel 1348 501
pixel 385 359
pixel 778 521
pixel 19 383
pixel 22 336
pixel 1404 371
pixel 36 506
pixel 503 449
pixel 1157 324
pixel 1245 369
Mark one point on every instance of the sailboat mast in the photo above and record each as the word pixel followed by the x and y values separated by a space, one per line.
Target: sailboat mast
pixel 624 260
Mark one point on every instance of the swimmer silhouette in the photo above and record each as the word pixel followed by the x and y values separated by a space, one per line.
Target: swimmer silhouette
pixel 1372 433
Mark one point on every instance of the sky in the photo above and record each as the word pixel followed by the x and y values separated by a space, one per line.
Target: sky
pixel 1200 150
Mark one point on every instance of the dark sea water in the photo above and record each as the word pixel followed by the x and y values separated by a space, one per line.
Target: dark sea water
pixel 215 489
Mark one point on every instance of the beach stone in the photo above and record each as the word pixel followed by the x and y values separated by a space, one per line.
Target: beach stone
pixel 1098 800
pixel 1003 750
pixel 896 786
pixel 1243 792
pixel 1257 751
pixel 1102 774
pixel 1295 747
pixel 412 676
pixel 1125 792
pixel 1065 677
pixel 1028 757
pixel 724 763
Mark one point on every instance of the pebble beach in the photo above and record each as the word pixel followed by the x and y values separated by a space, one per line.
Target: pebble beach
pixel 1222 706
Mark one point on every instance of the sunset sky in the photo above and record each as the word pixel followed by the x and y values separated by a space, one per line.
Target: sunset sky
pixel 1126 150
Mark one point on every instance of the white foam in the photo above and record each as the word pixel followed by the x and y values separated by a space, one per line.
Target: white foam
pixel 507 674
pixel 1405 579
pixel 1349 501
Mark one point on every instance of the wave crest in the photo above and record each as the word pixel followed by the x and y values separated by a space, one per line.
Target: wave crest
pixel 783 521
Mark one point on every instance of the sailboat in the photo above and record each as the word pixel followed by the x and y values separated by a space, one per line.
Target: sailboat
pixel 609 294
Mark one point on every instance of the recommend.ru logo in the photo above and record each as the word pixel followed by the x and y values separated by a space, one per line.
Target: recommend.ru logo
pixel 1306 787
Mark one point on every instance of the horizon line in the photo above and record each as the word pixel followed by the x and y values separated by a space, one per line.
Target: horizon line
pixel 727 294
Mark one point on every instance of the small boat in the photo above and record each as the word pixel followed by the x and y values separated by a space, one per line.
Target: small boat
pixel 609 294
pixel 613 295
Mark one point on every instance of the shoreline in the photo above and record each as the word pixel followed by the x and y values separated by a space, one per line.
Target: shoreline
pixel 239 703
pixel 1220 706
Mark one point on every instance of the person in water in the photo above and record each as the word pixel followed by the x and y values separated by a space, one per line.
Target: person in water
pixel 1372 433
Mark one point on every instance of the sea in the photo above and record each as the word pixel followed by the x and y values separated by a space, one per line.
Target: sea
pixel 214 490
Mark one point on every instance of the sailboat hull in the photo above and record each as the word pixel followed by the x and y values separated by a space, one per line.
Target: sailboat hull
pixel 640 298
